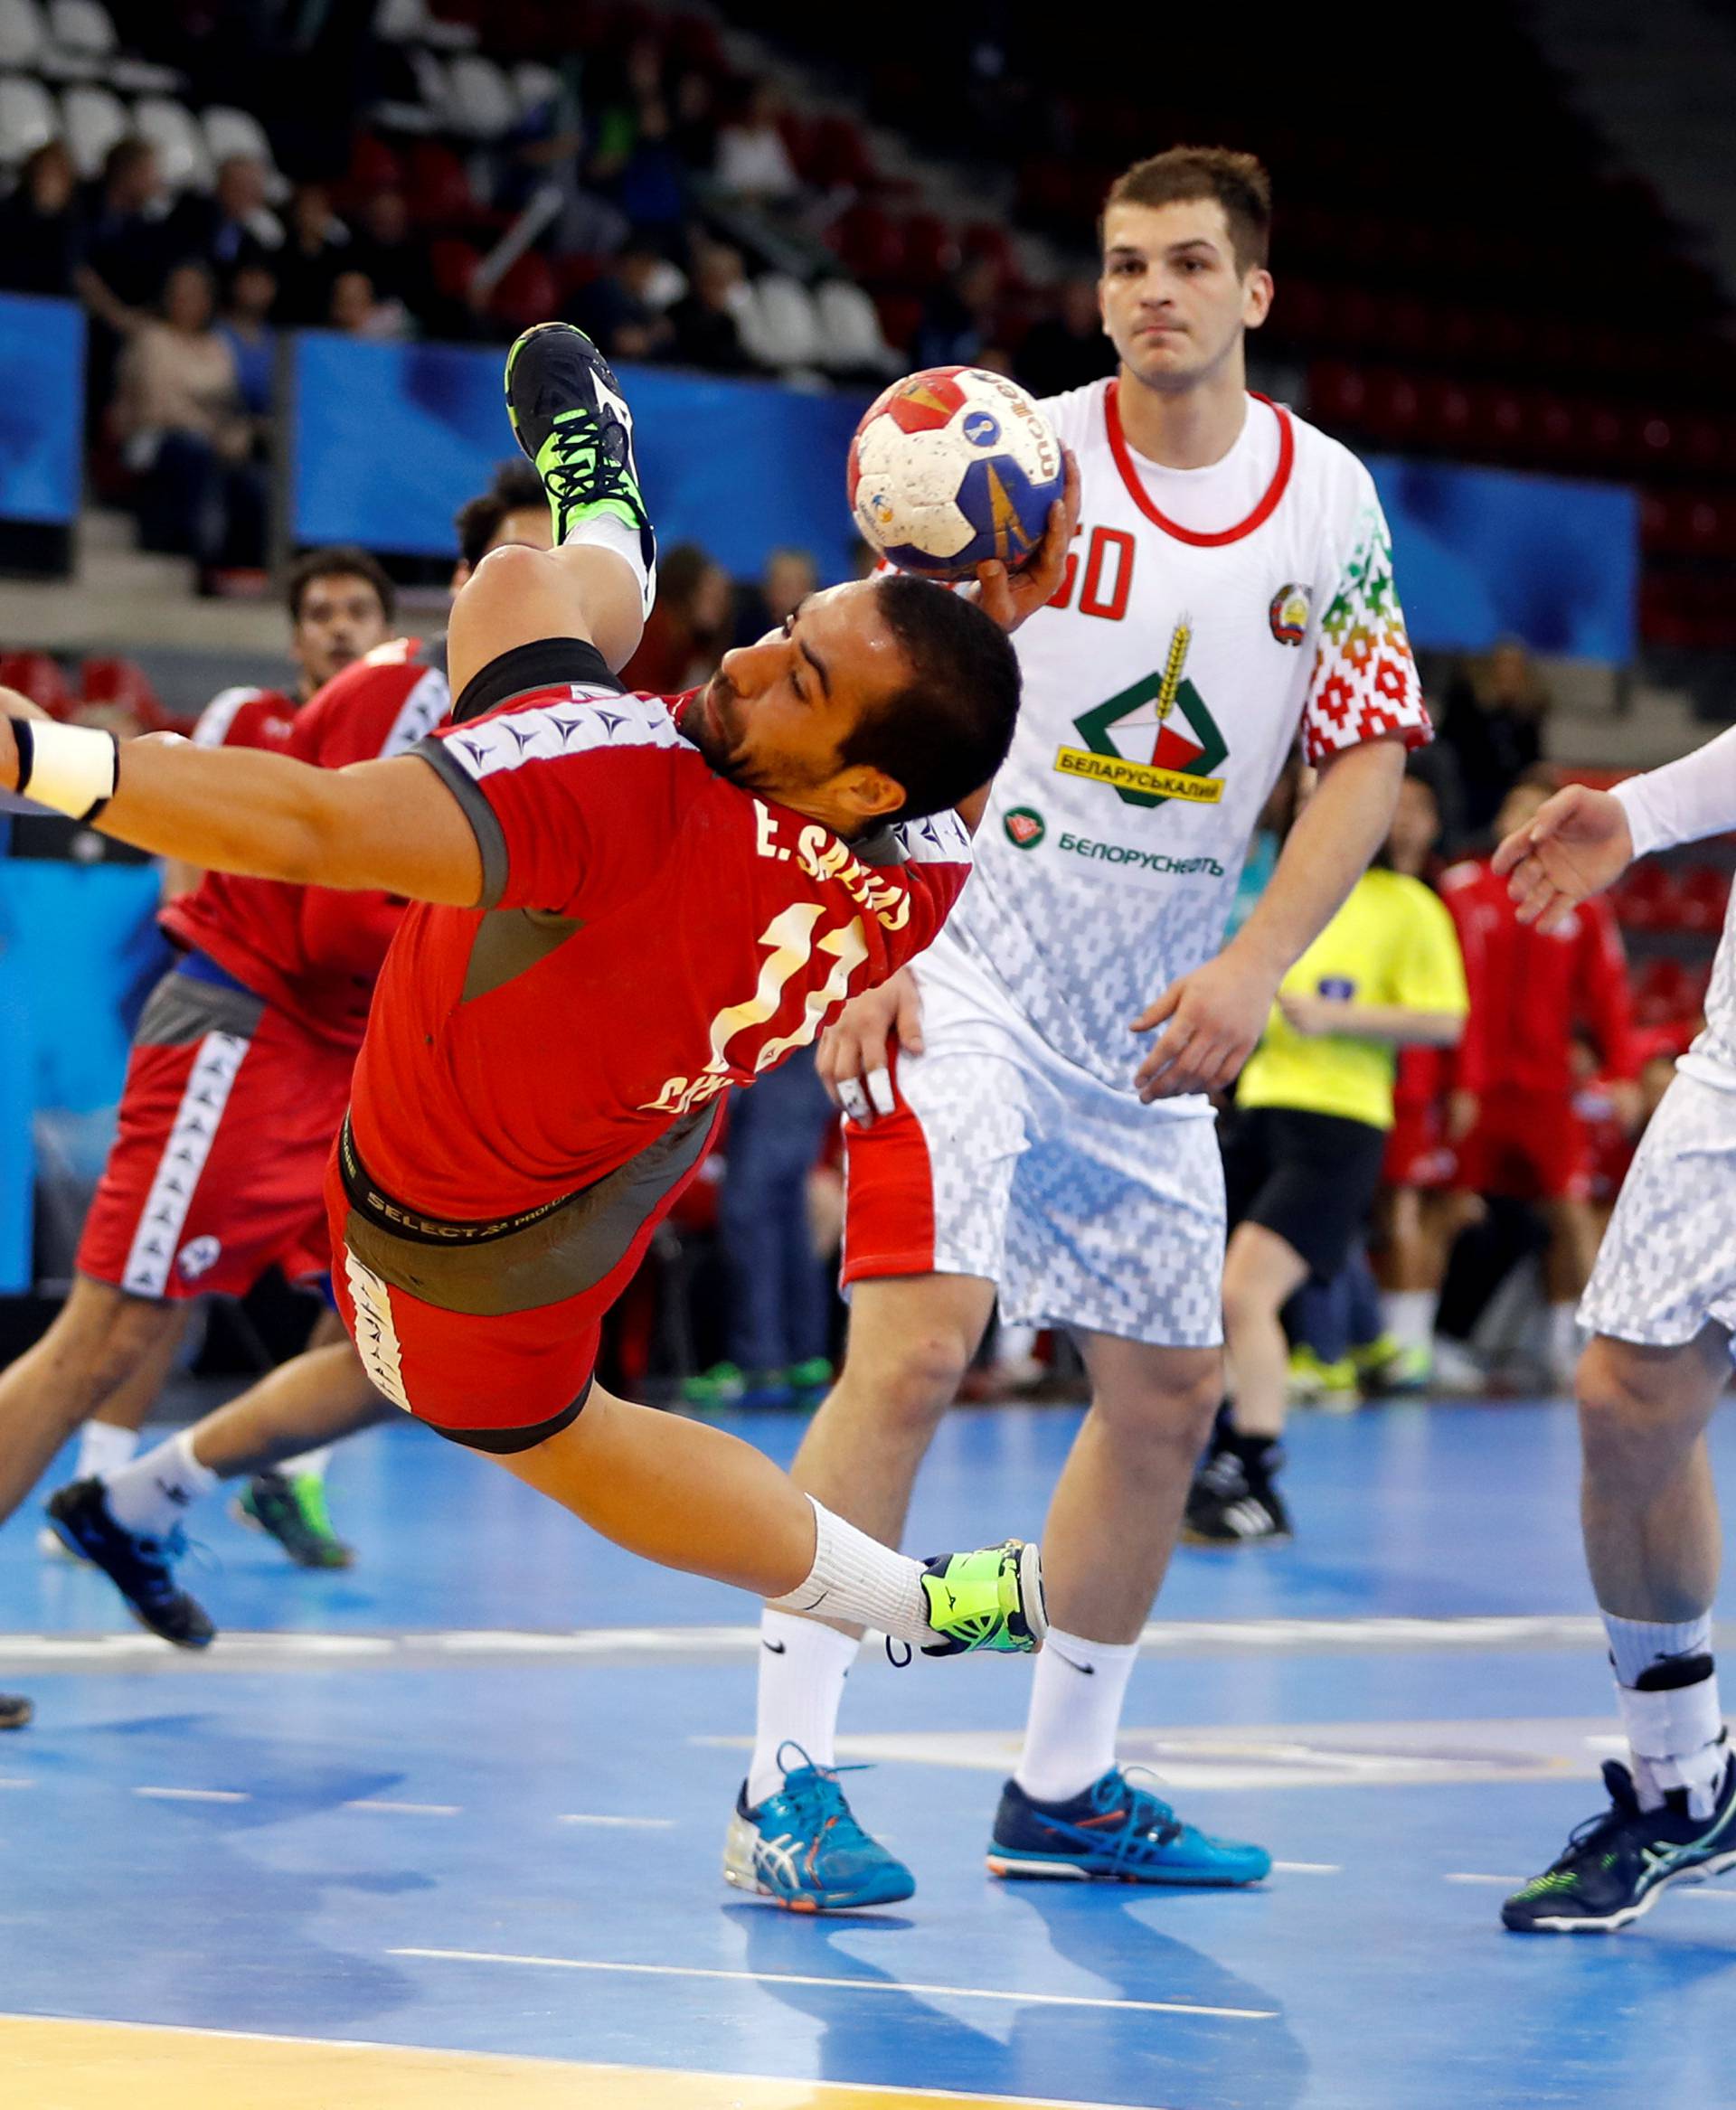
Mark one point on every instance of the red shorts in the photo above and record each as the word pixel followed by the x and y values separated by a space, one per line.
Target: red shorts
pixel 226 1122
pixel 1417 1154
pixel 479 1342
pixel 1529 1145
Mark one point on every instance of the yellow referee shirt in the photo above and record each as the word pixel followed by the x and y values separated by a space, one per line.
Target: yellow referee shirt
pixel 1391 943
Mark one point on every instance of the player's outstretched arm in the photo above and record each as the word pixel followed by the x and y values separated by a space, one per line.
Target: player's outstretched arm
pixel 391 825
pixel 1581 840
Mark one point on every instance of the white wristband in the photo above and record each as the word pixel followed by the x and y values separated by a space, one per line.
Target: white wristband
pixel 72 769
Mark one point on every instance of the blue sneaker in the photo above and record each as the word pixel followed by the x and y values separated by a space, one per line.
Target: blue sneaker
pixel 802 1848
pixel 142 1570
pixel 1114 1833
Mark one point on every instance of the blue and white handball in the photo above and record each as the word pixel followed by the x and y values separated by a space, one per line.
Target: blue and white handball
pixel 952 468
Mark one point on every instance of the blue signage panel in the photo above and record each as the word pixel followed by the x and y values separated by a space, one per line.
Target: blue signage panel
pixel 389 441
pixel 1481 554
pixel 42 408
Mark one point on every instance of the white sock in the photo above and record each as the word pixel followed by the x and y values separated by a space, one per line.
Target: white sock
pixel 152 1494
pixel 855 1578
pixel 1638 1645
pixel 606 531
pixel 103 1449
pixel 311 1463
pixel 802 1669
pixel 1563 1337
pixel 1075 1710
pixel 1408 1316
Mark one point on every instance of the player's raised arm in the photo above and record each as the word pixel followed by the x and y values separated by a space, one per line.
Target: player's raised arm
pixel 392 825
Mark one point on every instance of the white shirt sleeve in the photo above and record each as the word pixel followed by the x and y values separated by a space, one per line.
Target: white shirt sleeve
pixel 1683 801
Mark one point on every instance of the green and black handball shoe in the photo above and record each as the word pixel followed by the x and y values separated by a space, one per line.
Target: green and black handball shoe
pixel 290 1507
pixel 991 1600
pixel 570 417
pixel 1615 1866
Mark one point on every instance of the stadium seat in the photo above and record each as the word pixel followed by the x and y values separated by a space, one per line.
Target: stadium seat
pixel 173 130
pixel 438 185
pixel 81 41
pixel 228 131
pixel 1702 899
pixel 114 680
pixel 432 87
pixel 401 22
pixel 1642 901
pixel 788 329
pixel 28 118
pixel 851 340
pixel 453 264
pixel 526 293
pixel 95 118
pixel 901 317
pixel 930 253
pixel 38 675
pixel 373 166
pixel 23 34
pixel 534 86
pixel 480 103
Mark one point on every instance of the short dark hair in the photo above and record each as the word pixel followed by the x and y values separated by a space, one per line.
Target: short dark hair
pixel 339 560
pixel 946 731
pixel 515 488
pixel 1183 175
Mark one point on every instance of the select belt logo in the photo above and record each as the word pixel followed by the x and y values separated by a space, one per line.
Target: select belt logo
pixel 1291 609
pixel 1134 743
pixel 1025 827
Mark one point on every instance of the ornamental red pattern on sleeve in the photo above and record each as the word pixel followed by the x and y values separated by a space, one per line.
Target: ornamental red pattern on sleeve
pixel 241 1068
pixel 651 936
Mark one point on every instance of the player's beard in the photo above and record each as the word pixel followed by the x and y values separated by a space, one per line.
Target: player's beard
pixel 714 724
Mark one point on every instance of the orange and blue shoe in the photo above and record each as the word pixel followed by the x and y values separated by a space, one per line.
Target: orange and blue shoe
pixel 1115 1832
pixel 804 1849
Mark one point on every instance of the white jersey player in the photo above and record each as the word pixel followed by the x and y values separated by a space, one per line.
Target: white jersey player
pixel 1661 1309
pixel 1230 590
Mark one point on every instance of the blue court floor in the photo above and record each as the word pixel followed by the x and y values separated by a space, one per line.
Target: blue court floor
pixel 471 1794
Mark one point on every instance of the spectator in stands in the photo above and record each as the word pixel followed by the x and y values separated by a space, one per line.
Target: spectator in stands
pixel 548 149
pixel 386 246
pixel 357 312
pixel 787 579
pixel 317 250
pixel 246 327
pixel 1493 721
pixel 187 434
pixel 236 222
pixel 635 164
pixel 1068 348
pixel 686 632
pixel 707 333
pixel 626 308
pixel 958 324
pixel 132 241
pixel 753 163
pixel 693 133
pixel 42 226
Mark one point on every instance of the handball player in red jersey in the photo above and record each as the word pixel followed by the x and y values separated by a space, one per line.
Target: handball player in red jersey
pixel 620 907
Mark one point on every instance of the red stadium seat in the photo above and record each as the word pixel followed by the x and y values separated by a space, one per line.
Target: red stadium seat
pixel 453 264
pixel 373 166
pixel 37 675
pixel 930 253
pixel 1643 900
pixel 901 317
pixel 1666 989
pixel 115 680
pixel 527 294
pixel 1703 897
pixel 438 188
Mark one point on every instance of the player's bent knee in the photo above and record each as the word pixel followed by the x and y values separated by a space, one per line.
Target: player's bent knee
pixel 1629 1398
pixel 913 1381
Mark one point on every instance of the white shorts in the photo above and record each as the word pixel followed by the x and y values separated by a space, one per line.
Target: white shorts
pixel 1084 1208
pixel 1668 1259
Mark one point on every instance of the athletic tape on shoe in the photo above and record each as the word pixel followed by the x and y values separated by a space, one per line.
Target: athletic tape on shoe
pixel 71 768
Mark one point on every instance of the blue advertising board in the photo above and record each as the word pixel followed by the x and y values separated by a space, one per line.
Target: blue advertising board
pixel 42 408
pixel 1481 554
pixel 391 439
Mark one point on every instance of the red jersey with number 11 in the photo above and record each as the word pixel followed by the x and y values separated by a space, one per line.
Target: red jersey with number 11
pixel 651 935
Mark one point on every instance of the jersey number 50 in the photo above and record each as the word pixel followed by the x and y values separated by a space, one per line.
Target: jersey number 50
pixel 1108 575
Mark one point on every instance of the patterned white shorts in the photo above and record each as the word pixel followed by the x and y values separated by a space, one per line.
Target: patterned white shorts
pixel 1668 1261
pixel 1083 1207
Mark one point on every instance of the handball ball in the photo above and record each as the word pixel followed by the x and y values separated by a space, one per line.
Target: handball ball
pixel 951 467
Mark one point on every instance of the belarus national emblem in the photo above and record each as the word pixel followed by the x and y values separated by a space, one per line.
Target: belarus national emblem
pixel 1291 609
